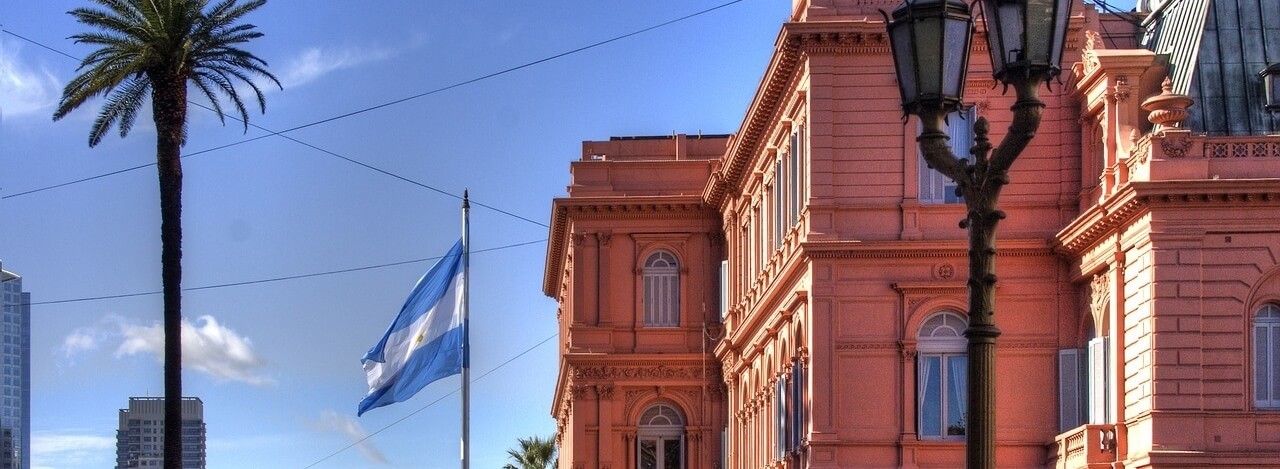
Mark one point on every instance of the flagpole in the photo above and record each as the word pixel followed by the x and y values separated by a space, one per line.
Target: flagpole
pixel 466 331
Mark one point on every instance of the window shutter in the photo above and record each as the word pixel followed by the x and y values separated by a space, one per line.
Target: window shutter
pixel 1071 388
pixel 780 417
pixel 1099 400
pixel 797 404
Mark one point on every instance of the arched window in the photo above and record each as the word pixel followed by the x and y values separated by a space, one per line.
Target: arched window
pixel 1266 357
pixel 660 438
pixel 942 376
pixel 662 290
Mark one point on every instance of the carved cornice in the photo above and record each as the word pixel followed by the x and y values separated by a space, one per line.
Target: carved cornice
pixel 1097 221
pixel 795 40
pixel 1137 197
pixel 637 372
pixel 850 345
pixel 930 288
pixel 916 249
pixel 610 208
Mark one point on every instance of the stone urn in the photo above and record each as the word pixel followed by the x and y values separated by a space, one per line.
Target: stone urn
pixel 1168 109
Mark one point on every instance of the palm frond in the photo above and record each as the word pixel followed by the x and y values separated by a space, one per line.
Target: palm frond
pixel 144 42
pixel 122 106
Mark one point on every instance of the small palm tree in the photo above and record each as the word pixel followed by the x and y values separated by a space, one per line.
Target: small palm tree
pixel 158 48
pixel 534 453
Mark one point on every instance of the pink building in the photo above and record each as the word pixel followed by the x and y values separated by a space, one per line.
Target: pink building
pixel 793 295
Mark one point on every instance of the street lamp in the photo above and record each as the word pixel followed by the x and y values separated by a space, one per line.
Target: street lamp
pixel 1271 81
pixel 1026 39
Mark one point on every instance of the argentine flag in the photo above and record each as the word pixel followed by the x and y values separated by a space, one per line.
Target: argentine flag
pixel 425 342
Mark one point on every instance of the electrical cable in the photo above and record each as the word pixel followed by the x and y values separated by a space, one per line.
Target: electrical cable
pixel 269 133
pixel 388 103
pixel 270 280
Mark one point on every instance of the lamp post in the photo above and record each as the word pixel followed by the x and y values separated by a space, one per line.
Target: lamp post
pixel 930 41
pixel 1271 82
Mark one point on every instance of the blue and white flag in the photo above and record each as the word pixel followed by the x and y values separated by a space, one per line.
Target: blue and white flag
pixel 425 343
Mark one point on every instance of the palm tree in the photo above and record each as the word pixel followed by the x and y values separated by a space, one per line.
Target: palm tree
pixel 534 453
pixel 160 47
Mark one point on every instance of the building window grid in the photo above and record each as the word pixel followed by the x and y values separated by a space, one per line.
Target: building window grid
pixel 661 290
pixel 934 187
pixel 1266 357
pixel 942 377
pixel 660 439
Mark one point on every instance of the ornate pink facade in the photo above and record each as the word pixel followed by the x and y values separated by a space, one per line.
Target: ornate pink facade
pixel 791 296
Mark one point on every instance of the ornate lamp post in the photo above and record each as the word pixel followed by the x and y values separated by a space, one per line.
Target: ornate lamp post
pixel 930 42
pixel 1271 81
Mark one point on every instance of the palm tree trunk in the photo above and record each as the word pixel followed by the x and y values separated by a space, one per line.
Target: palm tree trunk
pixel 169 106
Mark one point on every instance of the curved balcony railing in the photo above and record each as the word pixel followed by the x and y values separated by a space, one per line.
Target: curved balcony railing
pixel 1091 446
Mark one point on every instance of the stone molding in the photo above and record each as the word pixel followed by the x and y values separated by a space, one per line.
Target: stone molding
pixel 641 372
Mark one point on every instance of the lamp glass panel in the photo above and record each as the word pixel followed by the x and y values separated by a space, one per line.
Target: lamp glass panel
pixel 901 40
pixel 1273 88
pixel 993 34
pixel 957 49
pixel 1060 31
pixel 1039 28
pixel 928 54
pixel 1011 26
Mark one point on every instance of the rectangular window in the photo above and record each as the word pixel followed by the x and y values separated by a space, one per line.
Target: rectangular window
pixel 797 404
pixel 943 383
pixel 934 187
pixel 1266 357
pixel 780 418
pixel 793 181
pixel 779 190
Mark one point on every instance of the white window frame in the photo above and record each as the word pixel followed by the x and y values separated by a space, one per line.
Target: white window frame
pixel 661 289
pixel 941 336
pixel 935 188
pixel 660 423
pixel 1266 357
pixel 1099 381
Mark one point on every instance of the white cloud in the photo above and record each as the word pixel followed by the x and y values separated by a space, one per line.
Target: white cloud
pixel 208 347
pixel 25 89
pixel 349 427
pixel 80 340
pixel 71 449
pixel 316 62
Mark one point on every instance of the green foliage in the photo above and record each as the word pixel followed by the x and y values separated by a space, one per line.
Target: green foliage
pixel 533 453
pixel 146 43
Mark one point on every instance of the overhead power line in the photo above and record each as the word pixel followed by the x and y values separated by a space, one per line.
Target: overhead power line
pixel 429 404
pixel 269 133
pixel 274 279
pixel 272 133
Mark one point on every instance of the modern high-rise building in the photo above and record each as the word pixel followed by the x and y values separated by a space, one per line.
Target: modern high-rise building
pixel 15 368
pixel 140 439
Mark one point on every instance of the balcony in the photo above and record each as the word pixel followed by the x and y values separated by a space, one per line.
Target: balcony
pixel 1182 155
pixel 1090 446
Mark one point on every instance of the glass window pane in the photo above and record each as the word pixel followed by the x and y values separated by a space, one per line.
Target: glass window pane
pixel 1274 376
pixel 1261 352
pixel 957 389
pixel 930 396
pixel 648 454
pixel 671 454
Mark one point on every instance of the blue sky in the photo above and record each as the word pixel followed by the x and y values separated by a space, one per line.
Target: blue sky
pixel 277 363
